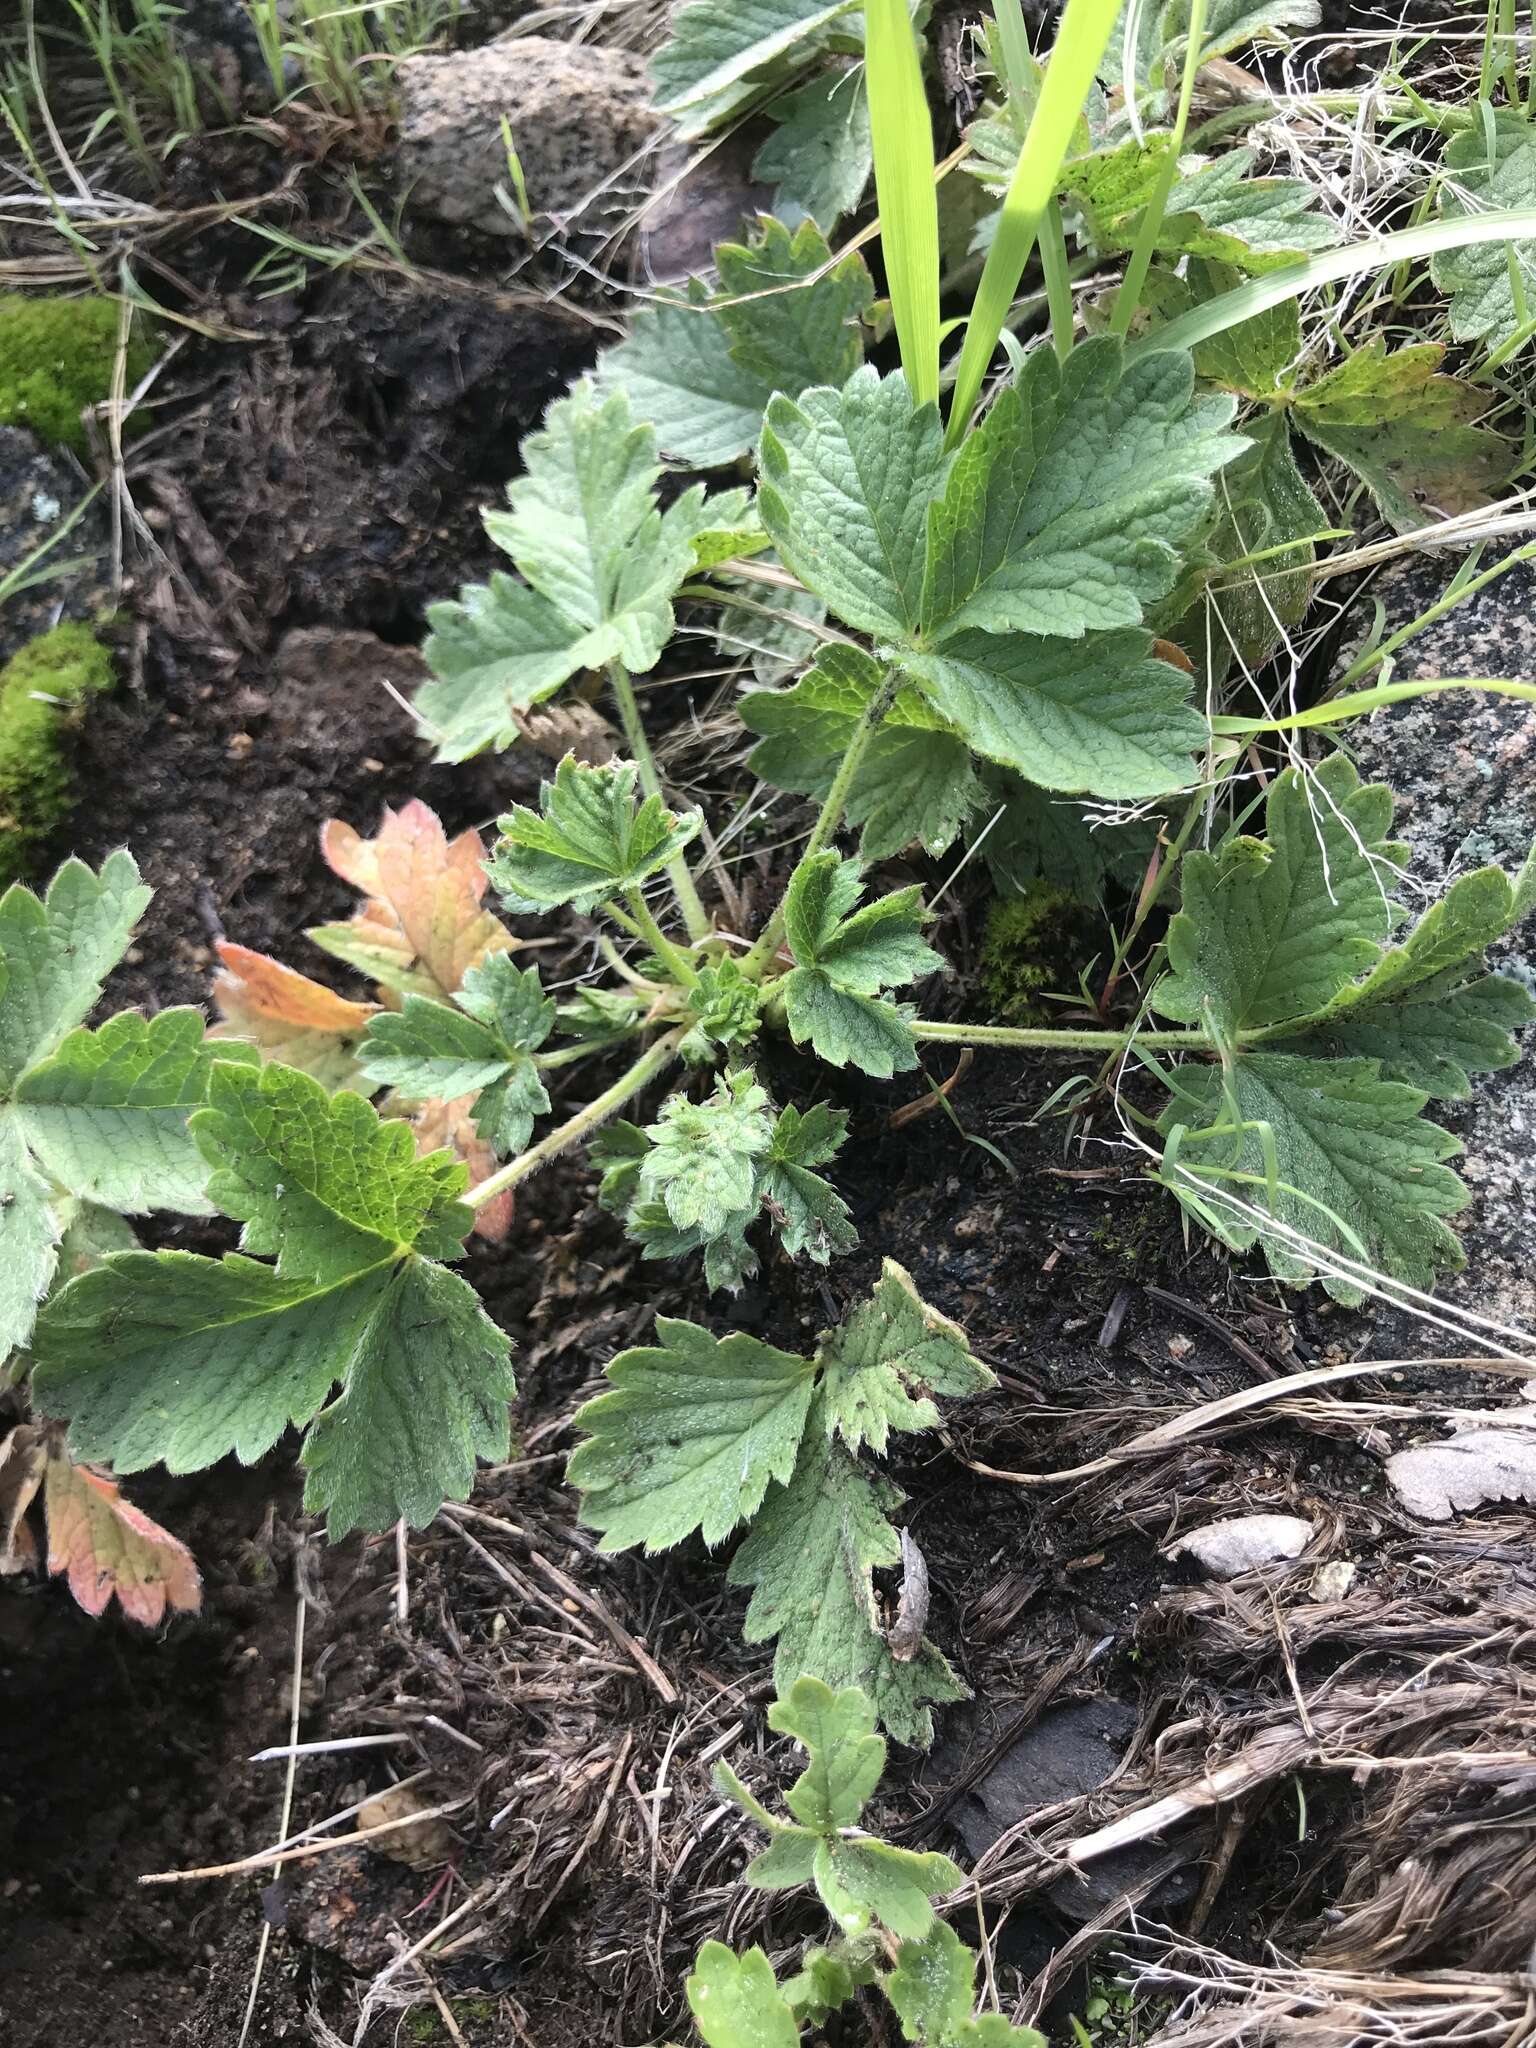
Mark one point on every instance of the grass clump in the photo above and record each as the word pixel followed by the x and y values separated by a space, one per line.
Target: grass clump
pixel 44 690
pixel 56 358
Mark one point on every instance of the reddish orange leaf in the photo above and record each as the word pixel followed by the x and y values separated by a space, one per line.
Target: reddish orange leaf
pixel 450 1124
pixel 107 1546
pixel 293 1019
pixel 422 927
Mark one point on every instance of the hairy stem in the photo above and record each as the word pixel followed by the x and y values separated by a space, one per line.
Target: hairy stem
pixel 1129 295
pixel 653 1061
pixel 830 817
pixel 1064 1038
pixel 677 964
pixel 695 916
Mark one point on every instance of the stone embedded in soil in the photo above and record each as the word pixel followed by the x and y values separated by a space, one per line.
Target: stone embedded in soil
pixel 1463 766
pixel 577 114
pixel 1467 1470
pixel 695 210
pixel 1224 1550
pixel 38 491
pixel 1068 1753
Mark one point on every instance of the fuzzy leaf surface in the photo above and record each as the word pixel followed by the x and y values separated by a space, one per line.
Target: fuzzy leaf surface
pixel 1104 715
pixel 703 367
pixel 1063 511
pixel 846 1756
pixel 864 1880
pixel 846 478
pixel 1482 293
pixel 288 1017
pixel 821 152
pixel 933 1985
pixel 587 840
pixel 423 924
pixel 482 1045
pixel 810 1559
pixel 916 781
pixel 174 1358
pixel 1346 1142
pixel 810 1216
pixel 736 2003
pixel 844 958
pixel 107 1114
pixel 689 1437
pixel 1272 929
pixel 881 1365
pixel 716 53
pixel 703 1160
pixel 600 561
pixel 56 951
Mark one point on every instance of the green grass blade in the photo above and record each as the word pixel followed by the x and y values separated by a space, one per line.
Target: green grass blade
pixel 1360 703
pixel 902 131
pixel 1079 49
pixel 1377 252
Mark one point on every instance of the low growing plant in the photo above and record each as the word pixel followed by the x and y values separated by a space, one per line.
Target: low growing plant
pixel 1007 623
pixel 879 1898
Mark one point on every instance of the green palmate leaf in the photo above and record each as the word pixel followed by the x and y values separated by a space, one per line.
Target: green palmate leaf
pixel 1104 715
pixel 846 480
pixel 179 1359
pixel 1358 1170
pixel 690 1436
pixel 933 1985
pixel 1037 837
pixel 721 58
pixel 810 1559
pixel 106 1115
pixel 810 1217
pixel 736 2003
pixel 823 1983
pixel 1492 285
pixel 85 1116
pixel 1162 34
pixel 482 1044
pixel 821 154
pixel 862 1881
pixel 844 959
pixel 601 562
pixel 1063 510
pixel 1274 929
pixel 1270 513
pixel 1407 432
pixel 588 839
pixel 1427 1010
pixel 702 368
pixel 884 1362
pixel 702 1165
pixel 1252 358
pixel 56 952
pixel 727 1010
pixel 700 1434
pixel 678 372
pixel 916 782
pixel 847 1757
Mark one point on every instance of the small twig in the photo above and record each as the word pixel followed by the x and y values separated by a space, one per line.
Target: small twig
pixel 283 1825
pixel 293 1749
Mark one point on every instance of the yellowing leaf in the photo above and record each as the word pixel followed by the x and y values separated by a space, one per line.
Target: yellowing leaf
pixel 295 1020
pixel 106 1545
pixel 422 927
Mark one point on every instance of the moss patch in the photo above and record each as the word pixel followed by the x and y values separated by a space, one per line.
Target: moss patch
pixel 56 358
pixel 1034 943
pixel 44 690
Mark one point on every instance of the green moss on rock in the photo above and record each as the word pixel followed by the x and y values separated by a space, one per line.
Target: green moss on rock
pixel 44 690
pixel 56 358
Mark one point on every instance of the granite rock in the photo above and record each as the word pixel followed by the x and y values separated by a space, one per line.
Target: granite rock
pixel 1463 766
pixel 577 116
pixel 38 490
